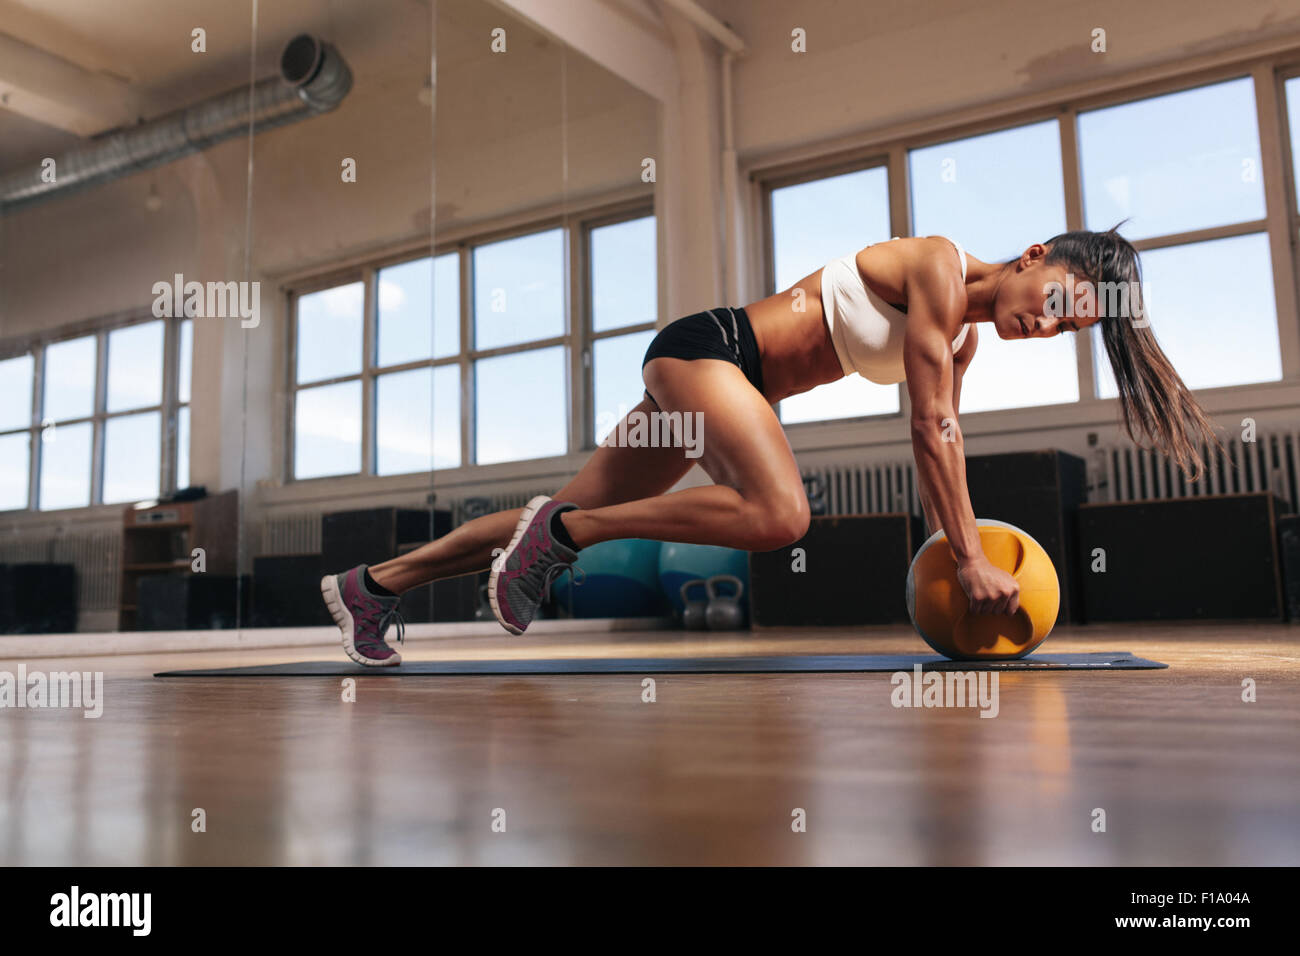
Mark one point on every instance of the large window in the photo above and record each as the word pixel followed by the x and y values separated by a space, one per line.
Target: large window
pixel 67 432
pixel 1144 160
pixel 96 425
pixel 327 413
pixel 624 302
pixel 429 363
pixel 16 377
pixel 183 380
pixel 417 402
pixel 520 409
pixel 998 194
pixel 1292 88
pixel 813 222
pixel 409 312
pixel 1184 168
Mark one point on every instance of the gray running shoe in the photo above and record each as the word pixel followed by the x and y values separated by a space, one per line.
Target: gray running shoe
pixel 522 574
pixel 362 617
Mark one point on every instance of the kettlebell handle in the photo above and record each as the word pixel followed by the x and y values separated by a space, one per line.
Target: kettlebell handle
pixel 711 589
pixel 692 583
pixel 1020 554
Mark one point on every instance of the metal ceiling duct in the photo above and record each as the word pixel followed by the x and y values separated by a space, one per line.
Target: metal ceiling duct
pixel 313 79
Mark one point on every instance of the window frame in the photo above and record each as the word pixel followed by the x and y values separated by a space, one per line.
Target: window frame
pixel 577 336
pixel 168 408
pixel 585 366
pixel 1286 136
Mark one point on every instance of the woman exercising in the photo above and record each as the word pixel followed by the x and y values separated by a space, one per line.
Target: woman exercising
pixel 907 309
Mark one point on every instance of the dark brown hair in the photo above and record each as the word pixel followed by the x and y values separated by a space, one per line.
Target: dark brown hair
pixel 1157 408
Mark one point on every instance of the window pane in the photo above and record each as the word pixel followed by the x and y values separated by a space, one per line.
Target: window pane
pixel 813 223
pixel 405 407
pixel 849 397
pixel 15 458
pixel 408 293
pixel 616 377
pixel 135 367
pixel 1191 317
pixel 131 457
pixel 16 392
pixel 327 431
pixel 65 466
pixel 998 194
pixel 70 379
pixel 821 220
pixel 183 447
pixel 1150 159
pixel 623 274
pixel 329 332
pixel 186 361
pixel 510 429
pixel 519 290
pixel 1293 122
pixel 1020 374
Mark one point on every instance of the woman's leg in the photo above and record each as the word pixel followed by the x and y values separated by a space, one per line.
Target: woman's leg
pixel 612 474
pixel 758 503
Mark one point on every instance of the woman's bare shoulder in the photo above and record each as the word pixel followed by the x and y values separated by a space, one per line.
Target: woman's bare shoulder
pixel 916 262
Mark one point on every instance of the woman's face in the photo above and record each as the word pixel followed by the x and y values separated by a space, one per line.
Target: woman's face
pixel 1037 300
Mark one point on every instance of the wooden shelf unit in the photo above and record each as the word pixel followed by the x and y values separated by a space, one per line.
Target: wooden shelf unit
pixel 160 540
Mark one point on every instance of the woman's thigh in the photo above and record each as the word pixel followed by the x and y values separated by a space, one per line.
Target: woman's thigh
pixel 742 442
pixel 618 473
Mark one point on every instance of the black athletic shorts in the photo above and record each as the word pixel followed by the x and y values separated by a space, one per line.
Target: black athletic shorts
pixel 723 333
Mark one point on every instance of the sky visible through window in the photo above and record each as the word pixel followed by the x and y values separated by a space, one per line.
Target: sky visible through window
pixel 521 407
pixel 1210 304
pixel 1293 122
pixel 815 222
pixel 997 194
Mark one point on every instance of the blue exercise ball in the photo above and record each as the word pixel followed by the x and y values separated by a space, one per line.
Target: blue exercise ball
pixel 615 579
pixel 679 563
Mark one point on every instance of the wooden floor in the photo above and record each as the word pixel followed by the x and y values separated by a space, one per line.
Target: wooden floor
pixel 413 772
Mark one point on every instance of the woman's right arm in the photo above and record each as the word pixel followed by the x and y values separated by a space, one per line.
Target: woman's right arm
pixel 935 303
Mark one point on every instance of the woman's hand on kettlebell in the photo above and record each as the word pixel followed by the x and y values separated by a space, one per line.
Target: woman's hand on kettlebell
pixel 990 589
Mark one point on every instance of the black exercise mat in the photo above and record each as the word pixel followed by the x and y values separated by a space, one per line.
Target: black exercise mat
pixel 802 664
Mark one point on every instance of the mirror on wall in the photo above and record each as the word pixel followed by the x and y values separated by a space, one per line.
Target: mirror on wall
pixel 277 298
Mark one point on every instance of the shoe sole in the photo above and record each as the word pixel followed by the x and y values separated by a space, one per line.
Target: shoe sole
pixel 525 519
pixel 329 589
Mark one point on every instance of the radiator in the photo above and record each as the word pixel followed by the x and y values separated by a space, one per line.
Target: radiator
pixel 297 533
pixel 875 488
pixel 97 556
pixel 1124 472
pixel 473 506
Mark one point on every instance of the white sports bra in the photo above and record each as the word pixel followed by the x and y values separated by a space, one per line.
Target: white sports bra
pixel 867 331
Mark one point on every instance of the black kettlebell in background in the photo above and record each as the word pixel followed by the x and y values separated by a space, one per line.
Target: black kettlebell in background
pixel 724 612
pixel 693 611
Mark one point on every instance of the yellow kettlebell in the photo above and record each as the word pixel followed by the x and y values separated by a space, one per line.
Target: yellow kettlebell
pixel 940 610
